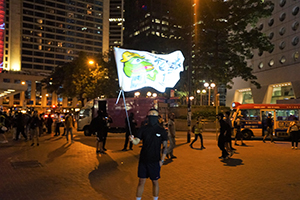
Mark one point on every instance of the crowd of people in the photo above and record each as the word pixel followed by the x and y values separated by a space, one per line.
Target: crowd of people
pixel 31 125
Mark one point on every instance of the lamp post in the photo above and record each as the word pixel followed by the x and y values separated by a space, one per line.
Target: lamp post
pixel 201 98
pixel 209 86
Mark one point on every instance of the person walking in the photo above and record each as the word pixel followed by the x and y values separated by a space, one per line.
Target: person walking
pixel 20 126
pixel 108 120
pixel 57 125
pixel 228 121
pixel 150 162
pixel 224 128
pixel 34 124
pixel 171 136
pixel 197 130
pixel 293 129
pixel 69 127
pixel 132 124
pixel 97 126
pixel 3 127
pixel 238 134
pixel 269 123
pixel 49 122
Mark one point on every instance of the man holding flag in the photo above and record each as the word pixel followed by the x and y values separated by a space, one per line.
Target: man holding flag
pixel 152 135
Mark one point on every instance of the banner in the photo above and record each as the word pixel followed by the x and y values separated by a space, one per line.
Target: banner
pixel 138 69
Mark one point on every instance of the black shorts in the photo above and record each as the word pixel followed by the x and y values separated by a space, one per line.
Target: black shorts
pixel 149 170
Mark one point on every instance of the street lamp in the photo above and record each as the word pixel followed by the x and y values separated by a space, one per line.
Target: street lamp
pixel 137 94
pixel 209 86
pixel 149 94
pixel 154 95
pixel 91 62
pixel 201 100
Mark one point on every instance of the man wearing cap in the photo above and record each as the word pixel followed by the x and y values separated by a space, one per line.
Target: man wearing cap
pixel 224 128
pixel 153 135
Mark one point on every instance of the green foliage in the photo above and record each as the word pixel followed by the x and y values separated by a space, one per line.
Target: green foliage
pixel 83 80
pixel 224 37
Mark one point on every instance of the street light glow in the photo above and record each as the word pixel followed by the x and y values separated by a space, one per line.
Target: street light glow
pixel 203 91
pixel 91 62
pixel 213 85
pixel 149 94
pixel 206 84
pixel 154 95
pixel 198 91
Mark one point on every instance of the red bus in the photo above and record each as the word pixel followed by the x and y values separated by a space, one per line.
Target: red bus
pixel 253 118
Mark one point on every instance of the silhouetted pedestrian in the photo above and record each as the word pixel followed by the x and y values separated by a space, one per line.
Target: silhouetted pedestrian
pixel 294 132
pixel 34 124
pixel 97 126
pixel 224 128
pixel 171 136
pixel 49 123
pixel 69 127
pixel 269 123
pixel 197 130
pixel 20 126
pixel 132 124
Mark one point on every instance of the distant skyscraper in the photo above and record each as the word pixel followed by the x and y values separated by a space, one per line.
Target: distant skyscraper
pixel 41 34
pixel 116 23
pixel 152 25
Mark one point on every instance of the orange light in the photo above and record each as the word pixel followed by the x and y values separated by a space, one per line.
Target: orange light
pixel 15 105
pixel 52 116
pixel 46 116
pixel 53 106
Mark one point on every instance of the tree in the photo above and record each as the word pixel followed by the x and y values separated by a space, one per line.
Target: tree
pixel 83 80
pixel 224 37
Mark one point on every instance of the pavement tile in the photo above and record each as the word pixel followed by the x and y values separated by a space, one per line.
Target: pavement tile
pixel 74 171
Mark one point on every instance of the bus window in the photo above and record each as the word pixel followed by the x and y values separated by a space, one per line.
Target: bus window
pixel 286 115
pixel 250 114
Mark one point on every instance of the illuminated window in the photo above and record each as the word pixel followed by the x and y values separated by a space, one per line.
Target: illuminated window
pixel 296 56
pixel 282 91
pixel 282 59
pixel 40 21
pixel 260 65
pixel 271 63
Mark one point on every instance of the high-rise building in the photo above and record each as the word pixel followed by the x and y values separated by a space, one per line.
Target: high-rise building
pixel 42 34
pixel 116 23
pixel 152 25
pixel 276 70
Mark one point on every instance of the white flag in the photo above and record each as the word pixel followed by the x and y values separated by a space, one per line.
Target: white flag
pixel 138 69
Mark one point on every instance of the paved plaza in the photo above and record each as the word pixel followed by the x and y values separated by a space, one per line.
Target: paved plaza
pixel 57 170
